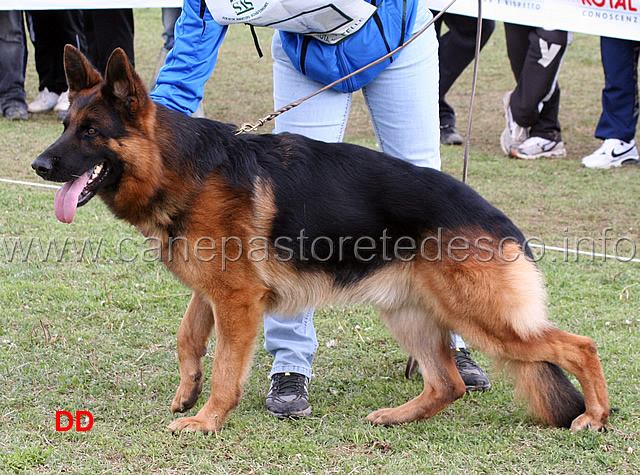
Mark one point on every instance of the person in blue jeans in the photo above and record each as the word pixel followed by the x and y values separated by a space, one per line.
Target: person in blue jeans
pixel 619 118
pixel 309 52
pixel 13 56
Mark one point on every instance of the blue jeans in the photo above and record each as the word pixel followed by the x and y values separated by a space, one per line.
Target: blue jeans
pixel 402 101
pixel 13 55
pixel 619 117
pixel 403 106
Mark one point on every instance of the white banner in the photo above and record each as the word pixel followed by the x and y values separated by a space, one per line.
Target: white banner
pixel 616 18
pixel 84 4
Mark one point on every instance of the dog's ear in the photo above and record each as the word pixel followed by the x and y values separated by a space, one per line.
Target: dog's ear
pixel 80 74
pixel 123 83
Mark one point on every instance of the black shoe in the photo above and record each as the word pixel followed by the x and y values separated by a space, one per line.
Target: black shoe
pixel 473 375
pixel 288 396
pixel 450 136
pixel 16 113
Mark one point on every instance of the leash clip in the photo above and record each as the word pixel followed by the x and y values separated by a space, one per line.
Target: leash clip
pixel 249 127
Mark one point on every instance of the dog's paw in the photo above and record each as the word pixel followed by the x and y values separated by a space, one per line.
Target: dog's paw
pixel 587 421
pixel 186 397
pixel 384 417
pixel 195 424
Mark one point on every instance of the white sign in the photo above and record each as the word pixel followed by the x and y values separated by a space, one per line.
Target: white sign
pixel 83 4
pixel 616 18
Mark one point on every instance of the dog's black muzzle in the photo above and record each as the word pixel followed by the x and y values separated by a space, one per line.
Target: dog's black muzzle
pixel 43 166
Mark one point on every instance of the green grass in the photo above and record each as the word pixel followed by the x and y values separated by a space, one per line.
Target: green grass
pixel 98 333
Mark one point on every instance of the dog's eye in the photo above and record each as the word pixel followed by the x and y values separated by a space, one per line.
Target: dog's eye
pixel 91 131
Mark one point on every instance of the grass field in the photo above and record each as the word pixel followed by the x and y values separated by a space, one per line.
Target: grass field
pixel 91 323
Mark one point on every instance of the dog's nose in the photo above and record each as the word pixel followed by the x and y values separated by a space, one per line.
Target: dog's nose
pixel 42 166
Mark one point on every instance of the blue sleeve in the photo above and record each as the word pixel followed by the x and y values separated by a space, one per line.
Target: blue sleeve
pixel 189 64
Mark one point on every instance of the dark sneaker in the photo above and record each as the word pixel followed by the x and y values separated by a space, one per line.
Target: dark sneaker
pixel 473 375
pixel 16 113
pixel 450 136
pixel 289 396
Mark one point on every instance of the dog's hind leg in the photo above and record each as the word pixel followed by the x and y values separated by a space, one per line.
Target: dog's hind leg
pixel 430 345
pixel 238 314
pixel 499 306
pixel 535 364
pixel 193 335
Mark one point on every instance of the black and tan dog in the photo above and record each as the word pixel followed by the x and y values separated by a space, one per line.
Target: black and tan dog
pixel 279 223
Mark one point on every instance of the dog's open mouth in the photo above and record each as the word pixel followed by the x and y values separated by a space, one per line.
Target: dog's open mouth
pixel 78 192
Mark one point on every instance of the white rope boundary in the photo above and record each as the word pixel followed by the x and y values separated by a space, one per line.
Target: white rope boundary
pixel 566 250
pixel 28 183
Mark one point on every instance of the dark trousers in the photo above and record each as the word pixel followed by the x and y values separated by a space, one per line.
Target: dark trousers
pixel 50 30
pixel 107 30
pixel 619 117
pixel 536 55
pixel 13 55
pixel 455 51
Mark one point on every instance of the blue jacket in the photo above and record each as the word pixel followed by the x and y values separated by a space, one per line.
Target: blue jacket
pixel 180 83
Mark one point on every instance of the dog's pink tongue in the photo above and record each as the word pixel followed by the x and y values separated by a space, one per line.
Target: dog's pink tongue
pixel 66 200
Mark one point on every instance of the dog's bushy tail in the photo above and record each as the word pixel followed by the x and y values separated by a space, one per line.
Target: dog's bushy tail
pixel 552 398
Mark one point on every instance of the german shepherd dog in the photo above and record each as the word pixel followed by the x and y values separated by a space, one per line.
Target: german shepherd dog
pixel 284 223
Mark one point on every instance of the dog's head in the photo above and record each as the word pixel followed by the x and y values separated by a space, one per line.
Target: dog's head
pixel 90 156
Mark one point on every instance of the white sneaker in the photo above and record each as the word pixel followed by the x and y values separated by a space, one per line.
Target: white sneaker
pixel 62 104
pixel 45 101
pixel 513 134
pixel 612 153
pixel 538 147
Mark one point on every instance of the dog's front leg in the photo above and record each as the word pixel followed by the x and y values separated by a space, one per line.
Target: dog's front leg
pixel 193 335
pixel 237 318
